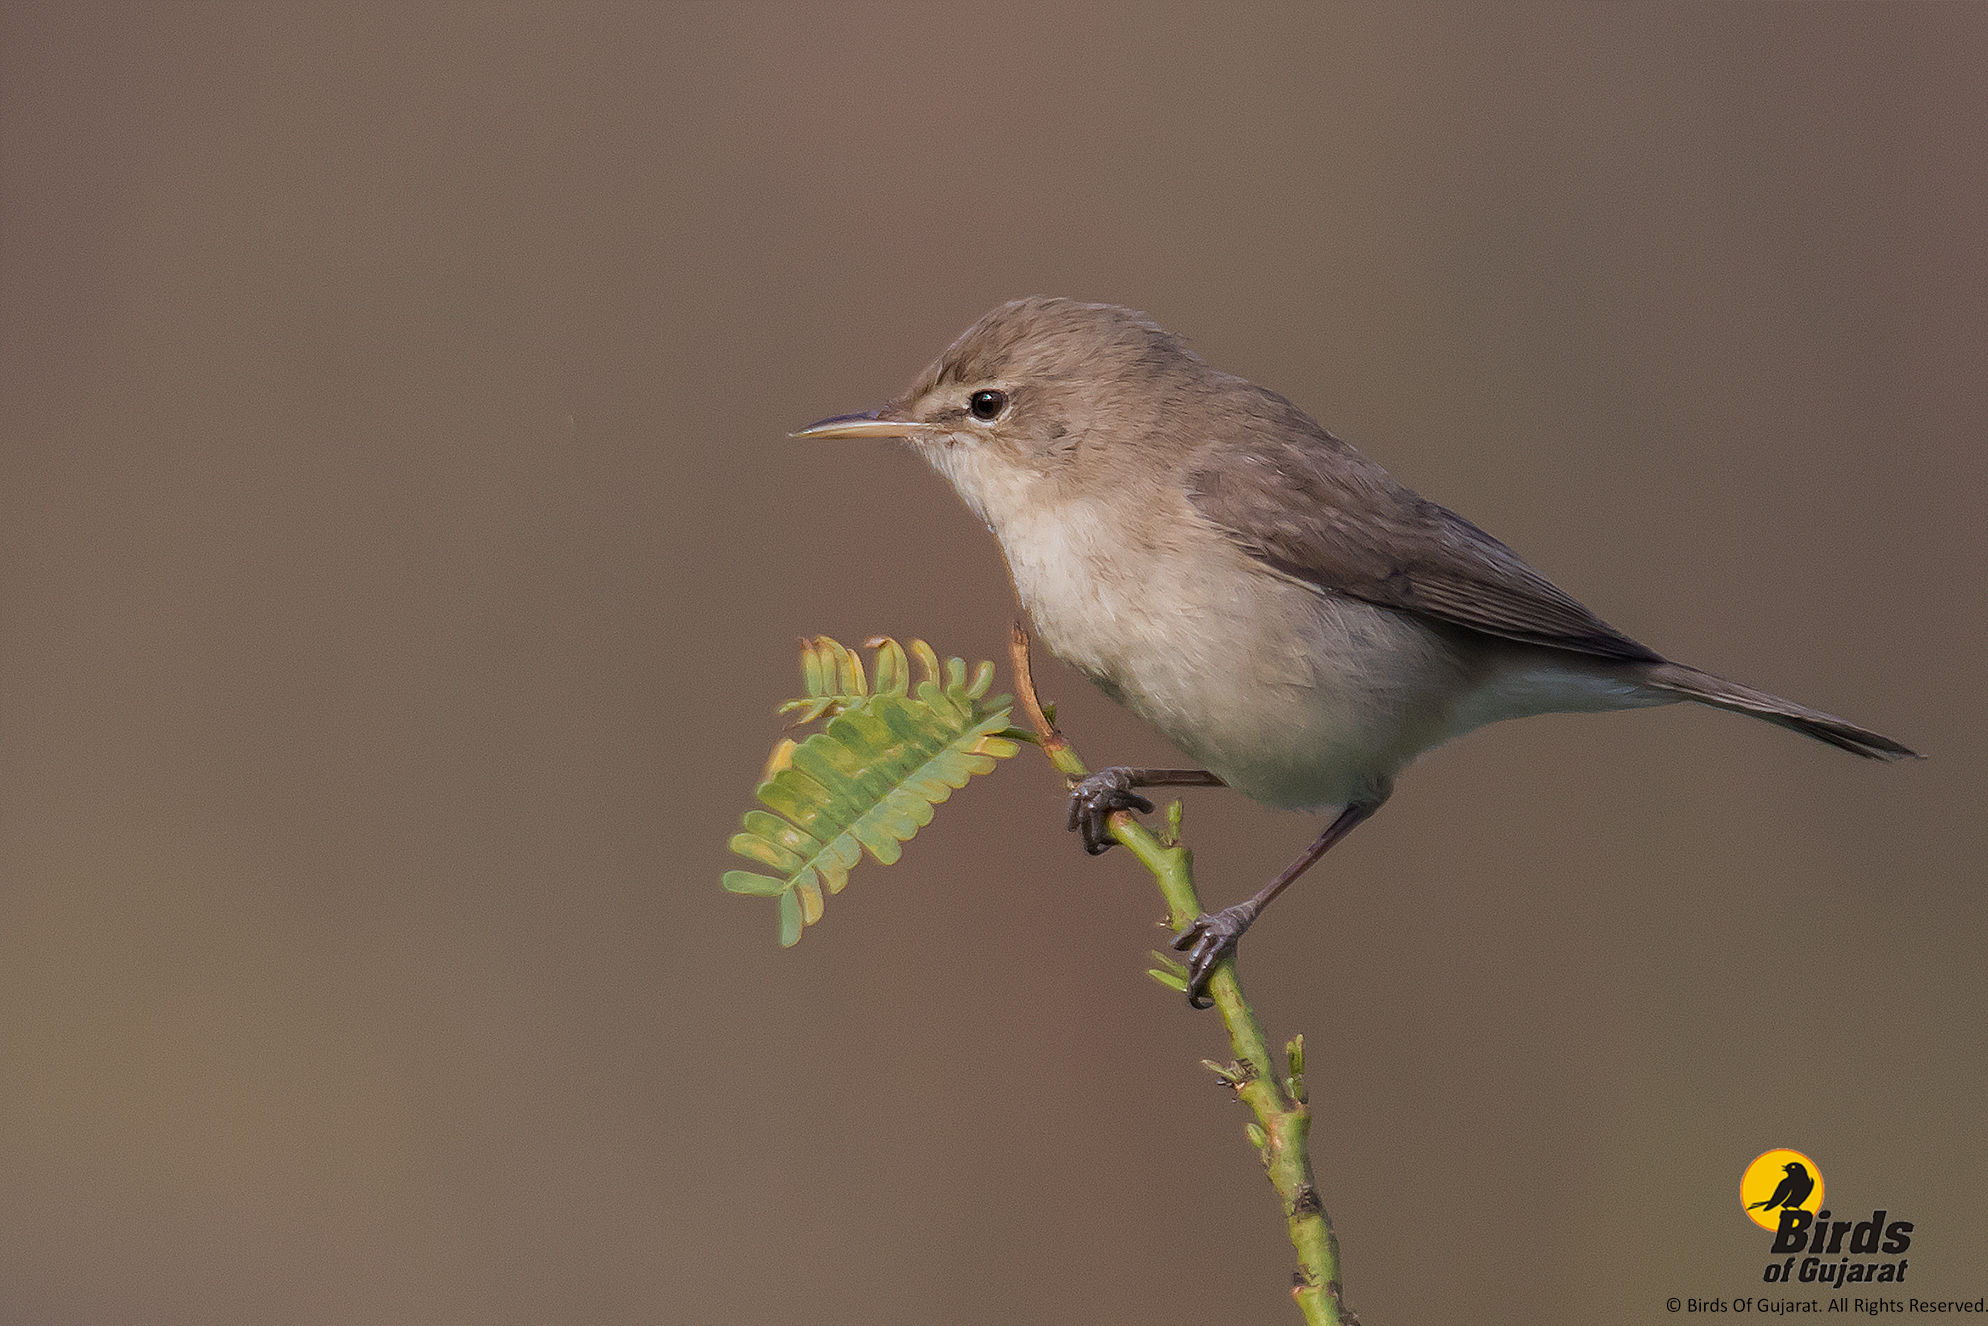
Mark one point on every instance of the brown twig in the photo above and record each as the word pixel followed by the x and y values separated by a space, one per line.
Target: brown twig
pixel 1053 743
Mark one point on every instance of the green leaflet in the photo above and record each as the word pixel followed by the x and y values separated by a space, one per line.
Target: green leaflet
pixel 869 779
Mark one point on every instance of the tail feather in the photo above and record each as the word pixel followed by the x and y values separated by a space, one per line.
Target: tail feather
pixel 1722 694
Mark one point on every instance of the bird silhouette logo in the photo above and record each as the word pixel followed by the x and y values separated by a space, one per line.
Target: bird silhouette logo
pixel 1779 1180
pixel 1791 1191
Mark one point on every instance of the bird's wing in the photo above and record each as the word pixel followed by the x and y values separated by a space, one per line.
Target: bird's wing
pixel 1316 510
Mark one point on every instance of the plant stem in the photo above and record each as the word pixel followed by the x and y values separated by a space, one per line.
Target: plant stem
pixel 1283 1113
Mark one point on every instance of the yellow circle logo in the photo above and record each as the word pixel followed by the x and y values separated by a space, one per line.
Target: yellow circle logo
pixel 1780 1180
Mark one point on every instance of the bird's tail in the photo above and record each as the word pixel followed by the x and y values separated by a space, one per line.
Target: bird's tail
pixel 1722 694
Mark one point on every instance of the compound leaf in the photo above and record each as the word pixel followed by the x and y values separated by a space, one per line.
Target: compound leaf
pixel 869 779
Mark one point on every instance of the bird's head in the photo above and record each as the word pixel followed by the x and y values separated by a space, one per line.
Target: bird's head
pixel 1039 391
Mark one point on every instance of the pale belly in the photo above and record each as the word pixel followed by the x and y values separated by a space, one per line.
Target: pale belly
pixel 1296 698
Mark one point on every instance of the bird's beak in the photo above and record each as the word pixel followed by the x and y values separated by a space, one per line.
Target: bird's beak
pixel 869 423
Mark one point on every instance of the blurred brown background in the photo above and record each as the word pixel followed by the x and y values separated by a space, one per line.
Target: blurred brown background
pixel 403 555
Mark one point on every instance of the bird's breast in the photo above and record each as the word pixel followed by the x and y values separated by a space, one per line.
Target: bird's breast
pixel 1294 697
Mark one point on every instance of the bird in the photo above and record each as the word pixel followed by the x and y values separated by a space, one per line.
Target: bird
pixel 1792 1191
pixel 1272 601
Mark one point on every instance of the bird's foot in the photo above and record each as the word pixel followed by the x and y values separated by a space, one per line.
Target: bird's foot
pixel 1207 940
pixel 1093 800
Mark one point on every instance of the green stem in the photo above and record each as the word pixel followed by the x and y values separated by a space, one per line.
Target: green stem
pixel 1283 1113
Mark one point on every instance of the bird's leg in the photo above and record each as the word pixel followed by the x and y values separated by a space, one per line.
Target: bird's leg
pixel 1093 799
pixel 1208 939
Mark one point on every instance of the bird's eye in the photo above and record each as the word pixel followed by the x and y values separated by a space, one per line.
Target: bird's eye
pixel 987 404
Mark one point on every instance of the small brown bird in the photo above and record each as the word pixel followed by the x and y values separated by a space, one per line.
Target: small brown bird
pixel 1264 595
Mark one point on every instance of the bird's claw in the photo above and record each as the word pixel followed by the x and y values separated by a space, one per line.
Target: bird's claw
pixel 1093 800
pixel 1206 941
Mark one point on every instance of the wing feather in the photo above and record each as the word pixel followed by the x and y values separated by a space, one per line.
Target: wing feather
pixel 1316 510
